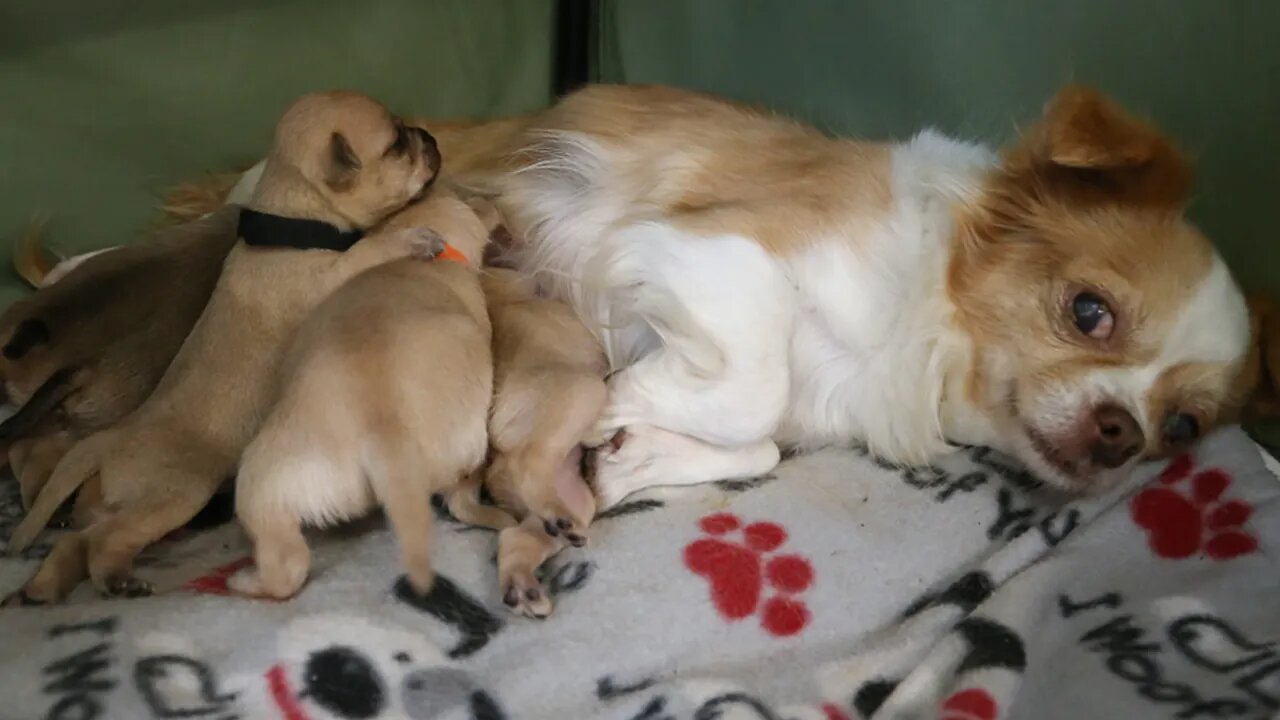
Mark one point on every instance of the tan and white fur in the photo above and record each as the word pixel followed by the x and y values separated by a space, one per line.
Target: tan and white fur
pixel 757 283
pixel 385 400
pixel 548 392
pixel 340 158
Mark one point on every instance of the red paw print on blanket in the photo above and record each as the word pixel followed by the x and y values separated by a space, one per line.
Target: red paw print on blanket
pixel 1179 525
pixel 740 570
pixel 971 704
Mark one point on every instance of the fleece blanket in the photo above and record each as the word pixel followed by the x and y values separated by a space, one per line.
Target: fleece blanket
pixel 833 588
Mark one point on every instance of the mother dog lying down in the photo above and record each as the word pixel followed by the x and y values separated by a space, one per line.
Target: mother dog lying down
pixel 757 284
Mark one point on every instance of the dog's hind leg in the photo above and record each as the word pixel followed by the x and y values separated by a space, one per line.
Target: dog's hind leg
pixel 115 541
pixel 521 551
pixel 281 557
pixel 34 462
pixel 406 498
pixel 59 573
pixel 464 504
pixel 649 457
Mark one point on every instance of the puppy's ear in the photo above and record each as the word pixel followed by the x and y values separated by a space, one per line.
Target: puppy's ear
pixel 1259 380
pixel 342 163
pixel 30 333
pixel 1090 149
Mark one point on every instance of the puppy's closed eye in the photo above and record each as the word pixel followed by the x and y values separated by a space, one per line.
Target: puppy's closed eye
pixel 400 144
pixel 30 333
pixel 344 164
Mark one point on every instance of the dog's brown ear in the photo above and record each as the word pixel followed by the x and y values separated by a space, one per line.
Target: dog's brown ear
pixel 1259 381
pixel 30 333
pixel 343 163
pixel 1089 147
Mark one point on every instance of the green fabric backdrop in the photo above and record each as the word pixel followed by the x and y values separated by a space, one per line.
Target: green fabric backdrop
pixel 1206 70
pixel 107 102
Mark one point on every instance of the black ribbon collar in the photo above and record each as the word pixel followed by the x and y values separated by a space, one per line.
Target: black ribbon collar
pixel 265 230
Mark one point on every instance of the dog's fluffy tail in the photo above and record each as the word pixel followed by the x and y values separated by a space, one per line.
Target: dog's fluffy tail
pixel 195 198
pixel 79 464
pixel 31 260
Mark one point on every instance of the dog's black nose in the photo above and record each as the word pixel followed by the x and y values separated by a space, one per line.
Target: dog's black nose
pixel 1117 436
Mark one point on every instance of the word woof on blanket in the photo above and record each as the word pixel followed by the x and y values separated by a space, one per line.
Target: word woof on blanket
pixel 834 588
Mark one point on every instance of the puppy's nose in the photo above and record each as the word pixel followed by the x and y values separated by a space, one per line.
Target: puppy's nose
pixel 1117 436
pixel 430 150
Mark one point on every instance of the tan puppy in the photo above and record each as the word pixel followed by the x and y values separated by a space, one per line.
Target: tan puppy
pixel 548 391
pixel 84 351
pixel 387 391
pixel 340 164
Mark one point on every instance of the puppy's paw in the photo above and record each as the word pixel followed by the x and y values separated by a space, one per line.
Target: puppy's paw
pixel 525 596
pixel 126 586
pixel 22 599
pixel 423 243
pixel 559 524
pixel 249 583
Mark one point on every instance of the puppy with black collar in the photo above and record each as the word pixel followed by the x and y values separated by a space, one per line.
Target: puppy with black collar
pixel 341 164
pixel 385 399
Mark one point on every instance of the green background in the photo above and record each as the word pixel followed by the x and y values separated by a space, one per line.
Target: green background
pixel 1204 70
pixel 105 103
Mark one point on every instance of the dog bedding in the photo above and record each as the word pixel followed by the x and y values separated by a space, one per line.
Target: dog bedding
pixel 833 588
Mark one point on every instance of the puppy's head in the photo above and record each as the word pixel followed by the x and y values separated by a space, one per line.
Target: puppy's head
pixel 363 162
pixel 33 379
pixel 1106 328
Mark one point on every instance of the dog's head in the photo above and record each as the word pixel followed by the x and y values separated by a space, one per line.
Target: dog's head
pixel 34 377
pixel 363 162
pixel 1106 328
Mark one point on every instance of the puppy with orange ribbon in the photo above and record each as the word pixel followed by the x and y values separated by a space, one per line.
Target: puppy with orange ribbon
pixel 384 401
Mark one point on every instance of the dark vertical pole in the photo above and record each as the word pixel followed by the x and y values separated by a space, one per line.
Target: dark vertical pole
pixel 575 44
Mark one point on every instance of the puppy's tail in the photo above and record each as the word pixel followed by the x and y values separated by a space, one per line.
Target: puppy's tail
pixel 30 259
pixel 79 464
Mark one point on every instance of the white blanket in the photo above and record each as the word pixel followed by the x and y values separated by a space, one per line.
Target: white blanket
pixel 833 588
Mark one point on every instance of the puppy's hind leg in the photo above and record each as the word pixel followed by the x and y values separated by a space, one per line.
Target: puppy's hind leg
pixel 62 569
pixel 117 540
pixel 77 466
pixel 545 471
pixel 406 497
pixel 281 557
pixel 34 467
pixel 464 504
pixel 271 516
pixel 521 551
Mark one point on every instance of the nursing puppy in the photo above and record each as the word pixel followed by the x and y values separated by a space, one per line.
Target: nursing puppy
pixel 548 391
pixel 340 164
pixel 387 391
pixel 91 343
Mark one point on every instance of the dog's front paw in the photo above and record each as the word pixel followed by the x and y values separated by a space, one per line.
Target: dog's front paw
pixel 422 243
pixel 626 464
pixel 524 595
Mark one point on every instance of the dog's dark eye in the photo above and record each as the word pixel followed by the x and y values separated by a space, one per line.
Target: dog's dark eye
pixel 400 144
pixel 1092 316
pixel 1181 429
